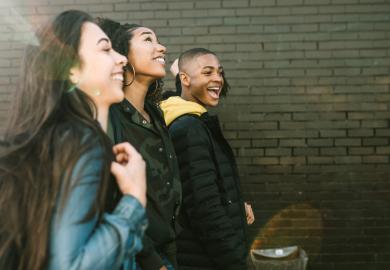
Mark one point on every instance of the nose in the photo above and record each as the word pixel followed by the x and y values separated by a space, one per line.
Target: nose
pixel 120 59
pixel 218 77
pixel 161 48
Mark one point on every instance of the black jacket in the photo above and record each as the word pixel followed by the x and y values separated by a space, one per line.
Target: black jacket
pixel 163 185
pixel 212 213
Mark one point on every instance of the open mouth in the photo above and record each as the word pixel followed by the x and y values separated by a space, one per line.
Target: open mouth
pixel 160 59
pixel 214 91
pixel 117 77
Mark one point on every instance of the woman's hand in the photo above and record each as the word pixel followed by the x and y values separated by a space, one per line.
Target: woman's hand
pixel 129 170
pixel 250 217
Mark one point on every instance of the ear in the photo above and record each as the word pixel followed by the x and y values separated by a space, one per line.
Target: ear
pixel 74 75
pixel 185 79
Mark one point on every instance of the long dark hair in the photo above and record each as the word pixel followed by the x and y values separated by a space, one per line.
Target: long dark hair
pixel 52 125
pixel 120 35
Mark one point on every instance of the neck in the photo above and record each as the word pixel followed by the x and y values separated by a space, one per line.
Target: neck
pixel 102 117
pixel 136 94
pixel 185 94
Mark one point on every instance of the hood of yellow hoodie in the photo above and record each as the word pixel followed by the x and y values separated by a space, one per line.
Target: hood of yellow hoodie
pixel 175 107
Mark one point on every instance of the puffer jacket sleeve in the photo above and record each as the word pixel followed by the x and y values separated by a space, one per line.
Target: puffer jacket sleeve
pixel 202 200
pixel 148 257
pixel 94 244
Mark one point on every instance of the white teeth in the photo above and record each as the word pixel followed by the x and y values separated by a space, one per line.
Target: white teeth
pixel 214 88
pixel 118 77
pixel 160 60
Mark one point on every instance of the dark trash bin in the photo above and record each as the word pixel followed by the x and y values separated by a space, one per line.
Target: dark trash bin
pixel 285 258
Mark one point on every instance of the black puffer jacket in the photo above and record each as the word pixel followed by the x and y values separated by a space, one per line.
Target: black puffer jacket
pixel 212 213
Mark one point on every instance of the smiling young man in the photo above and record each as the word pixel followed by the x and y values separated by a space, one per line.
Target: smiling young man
pixel 213 212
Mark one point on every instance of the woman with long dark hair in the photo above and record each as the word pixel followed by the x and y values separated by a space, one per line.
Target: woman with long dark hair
pixel 138 120
pixel 60 205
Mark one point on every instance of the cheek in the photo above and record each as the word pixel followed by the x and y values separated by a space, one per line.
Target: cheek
pixel 200 83
pixel 136 56
pixel 99 75
pixel 199 89
pixel 137 63
pixel 106 66
pixel 131 59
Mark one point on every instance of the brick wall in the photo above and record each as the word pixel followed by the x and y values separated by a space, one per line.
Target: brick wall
pixel 307 114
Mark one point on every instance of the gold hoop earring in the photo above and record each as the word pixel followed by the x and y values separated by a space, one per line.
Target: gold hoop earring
pixel 126 68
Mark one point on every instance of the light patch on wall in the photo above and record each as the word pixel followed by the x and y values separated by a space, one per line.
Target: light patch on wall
pixel 19 27
pixel 298 224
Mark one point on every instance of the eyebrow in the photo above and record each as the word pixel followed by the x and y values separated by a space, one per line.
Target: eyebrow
pixel 149 33
pixel 220 67
pixel 146 33
pixel 103 39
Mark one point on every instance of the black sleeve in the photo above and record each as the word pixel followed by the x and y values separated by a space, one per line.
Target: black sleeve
pixel 148 258
pixel 201 197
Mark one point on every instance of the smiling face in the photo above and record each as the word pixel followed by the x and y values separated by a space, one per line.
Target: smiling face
pixel 202 80
pixel 146 54
pixel 100 73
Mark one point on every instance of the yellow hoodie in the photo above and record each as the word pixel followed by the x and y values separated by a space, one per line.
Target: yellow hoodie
pixel 175 107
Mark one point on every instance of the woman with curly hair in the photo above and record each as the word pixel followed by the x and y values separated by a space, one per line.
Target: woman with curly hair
pixel 138 120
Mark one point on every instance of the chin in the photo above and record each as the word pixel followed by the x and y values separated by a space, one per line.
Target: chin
pixel 161 75
pixel 119 97
pixel 213 103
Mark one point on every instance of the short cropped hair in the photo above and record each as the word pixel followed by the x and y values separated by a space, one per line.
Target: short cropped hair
pixel 193 53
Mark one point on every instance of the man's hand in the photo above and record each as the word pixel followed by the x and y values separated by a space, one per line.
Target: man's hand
pixel 250 217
